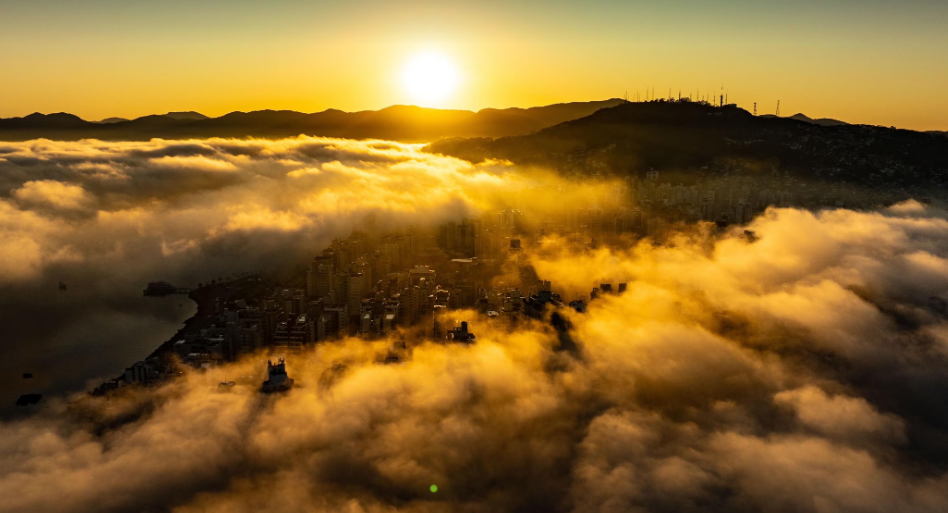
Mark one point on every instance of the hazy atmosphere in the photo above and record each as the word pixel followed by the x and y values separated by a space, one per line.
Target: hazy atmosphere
pixel 106 218
pixel 725 365
pixel 560 257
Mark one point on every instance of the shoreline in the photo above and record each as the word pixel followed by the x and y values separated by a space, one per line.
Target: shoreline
pixel 205 307
pixel 205 297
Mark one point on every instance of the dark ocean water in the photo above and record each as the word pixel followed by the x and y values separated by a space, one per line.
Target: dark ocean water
pixel 73 340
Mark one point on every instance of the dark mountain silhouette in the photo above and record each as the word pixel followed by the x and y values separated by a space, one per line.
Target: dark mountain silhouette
pixel 112 120
pixel 696 139
pixel 807 119
pixel 820 121
pixel 400 123
pixel 54 122
pixel 186 115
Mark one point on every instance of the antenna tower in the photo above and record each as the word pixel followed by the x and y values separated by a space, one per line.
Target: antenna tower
pixel 755 108
pixel 778 108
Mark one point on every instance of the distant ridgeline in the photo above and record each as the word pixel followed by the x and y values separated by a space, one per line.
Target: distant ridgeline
pixel 690 143
pixel 398 123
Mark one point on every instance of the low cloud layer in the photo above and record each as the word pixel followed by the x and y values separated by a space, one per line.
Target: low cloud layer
pixel 105 218
pixel 106 203
pixel 802 369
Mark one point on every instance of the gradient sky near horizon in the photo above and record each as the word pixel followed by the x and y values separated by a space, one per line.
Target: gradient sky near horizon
pixel 863 61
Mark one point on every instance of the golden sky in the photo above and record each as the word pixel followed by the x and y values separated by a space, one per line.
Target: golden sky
pixel 865 62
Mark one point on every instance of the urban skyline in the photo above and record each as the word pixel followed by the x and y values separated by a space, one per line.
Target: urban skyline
pixel 438 257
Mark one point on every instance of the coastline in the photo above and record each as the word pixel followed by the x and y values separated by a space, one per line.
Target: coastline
pixel 206 298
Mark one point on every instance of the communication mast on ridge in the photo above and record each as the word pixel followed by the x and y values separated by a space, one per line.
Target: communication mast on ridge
pixel 755 108
pixel 778 108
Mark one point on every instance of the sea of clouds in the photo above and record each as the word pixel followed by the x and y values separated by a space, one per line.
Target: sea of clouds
pixel 801 369
pixel 123 202
pixel 106 218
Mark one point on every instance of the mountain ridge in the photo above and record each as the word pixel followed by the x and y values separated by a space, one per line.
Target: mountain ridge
pixel 691 139
pixel 407 123
pixel 819 121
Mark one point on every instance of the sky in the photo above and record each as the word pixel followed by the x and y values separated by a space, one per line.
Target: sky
pixel 796 363
pixel 869 61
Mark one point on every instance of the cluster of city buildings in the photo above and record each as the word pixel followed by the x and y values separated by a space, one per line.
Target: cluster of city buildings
pixel 373 285
pixel 363 285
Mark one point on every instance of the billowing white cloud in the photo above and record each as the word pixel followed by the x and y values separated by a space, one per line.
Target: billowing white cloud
pixel 803 370
pixel 91 196
pixel 195 162
pixel 53 194
pixel 850 418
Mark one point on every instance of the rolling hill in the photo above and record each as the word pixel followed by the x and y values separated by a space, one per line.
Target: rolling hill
pixel 696 139
pixel 400 123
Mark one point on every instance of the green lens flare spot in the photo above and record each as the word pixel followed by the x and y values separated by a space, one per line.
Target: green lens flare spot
pixel 433 488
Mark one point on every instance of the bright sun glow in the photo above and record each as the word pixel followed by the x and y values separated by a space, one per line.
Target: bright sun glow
pixel 430 78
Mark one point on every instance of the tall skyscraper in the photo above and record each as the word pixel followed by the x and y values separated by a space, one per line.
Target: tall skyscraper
pixel 320 278
pixel 355 291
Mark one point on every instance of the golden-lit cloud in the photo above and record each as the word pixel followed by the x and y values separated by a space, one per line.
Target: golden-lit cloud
pixel 801 369
pixel 20 250
pixel 194 162
pixel 840 416
pixel 50 193
pixel 788 394
pixel 156 202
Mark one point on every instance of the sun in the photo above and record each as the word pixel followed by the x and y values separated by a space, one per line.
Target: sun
pixel 430 78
